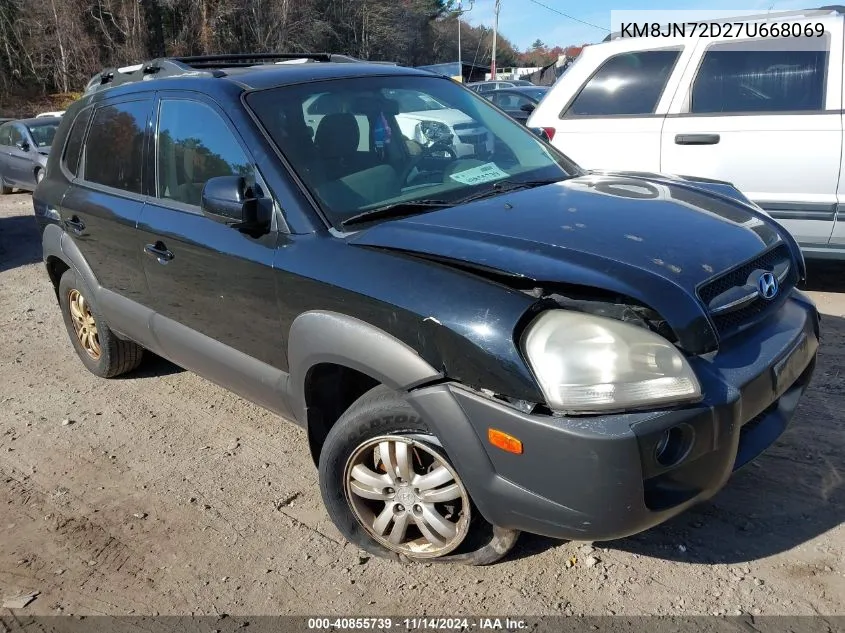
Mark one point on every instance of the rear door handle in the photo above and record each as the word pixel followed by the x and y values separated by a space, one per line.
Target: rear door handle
pixel 75 224
pixel 159 251
pixel 696 139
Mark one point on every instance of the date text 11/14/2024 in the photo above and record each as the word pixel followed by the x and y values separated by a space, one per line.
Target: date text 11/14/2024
pixel 416 624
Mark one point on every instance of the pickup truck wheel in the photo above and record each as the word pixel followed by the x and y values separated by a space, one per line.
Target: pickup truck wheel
pixel 390 488
pixel 100 350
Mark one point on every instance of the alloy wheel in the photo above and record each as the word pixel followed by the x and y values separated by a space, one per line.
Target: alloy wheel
pixel 407 496
pixel 84 324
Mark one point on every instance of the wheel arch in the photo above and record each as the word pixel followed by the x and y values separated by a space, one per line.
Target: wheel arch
pixel 60 254
pixel 334 358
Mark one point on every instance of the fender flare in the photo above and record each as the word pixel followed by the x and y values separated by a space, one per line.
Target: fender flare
pixel 320 336
pixel 56 244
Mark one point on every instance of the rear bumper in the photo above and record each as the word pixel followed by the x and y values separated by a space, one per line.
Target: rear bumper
pixel 597 477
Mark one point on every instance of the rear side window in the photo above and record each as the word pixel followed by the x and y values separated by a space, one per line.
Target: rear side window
pixel 626 84
pixel 114 149
pixel 731 79
pixel 73 147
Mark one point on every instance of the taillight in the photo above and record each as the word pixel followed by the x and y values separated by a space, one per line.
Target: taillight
pixel 550 132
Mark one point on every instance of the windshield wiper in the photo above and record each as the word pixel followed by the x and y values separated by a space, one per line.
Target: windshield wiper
pixel 504 186
pixel 396 210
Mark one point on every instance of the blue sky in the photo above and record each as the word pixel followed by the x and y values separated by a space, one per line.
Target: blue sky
pixel 523 21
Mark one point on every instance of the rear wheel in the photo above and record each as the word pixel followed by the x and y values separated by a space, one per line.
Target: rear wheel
pixel 97 346
pixel 391 489
pixel 4 189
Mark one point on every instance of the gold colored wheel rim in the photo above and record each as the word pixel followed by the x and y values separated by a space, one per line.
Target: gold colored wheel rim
pixel 83 324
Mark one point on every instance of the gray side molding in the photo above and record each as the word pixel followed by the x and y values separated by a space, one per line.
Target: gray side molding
pixel 330 337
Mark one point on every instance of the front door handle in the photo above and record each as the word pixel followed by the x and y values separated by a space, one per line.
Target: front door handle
pixel 696 139
pixel 159 251
pixel 75 224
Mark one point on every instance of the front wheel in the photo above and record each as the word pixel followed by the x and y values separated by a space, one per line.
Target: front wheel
pixel 390 488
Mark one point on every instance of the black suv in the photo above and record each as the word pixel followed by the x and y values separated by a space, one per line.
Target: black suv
pixel 478 342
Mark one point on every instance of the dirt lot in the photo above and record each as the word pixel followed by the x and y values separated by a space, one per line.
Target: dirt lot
pixel 161 493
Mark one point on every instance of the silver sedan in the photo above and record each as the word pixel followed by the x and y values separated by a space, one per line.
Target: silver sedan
pixel 24 147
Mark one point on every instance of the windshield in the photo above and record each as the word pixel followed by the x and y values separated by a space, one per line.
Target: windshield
pixel 366 143
pixel 42 134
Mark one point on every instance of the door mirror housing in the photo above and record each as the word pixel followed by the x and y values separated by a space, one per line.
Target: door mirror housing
pixel 22 145
pixel 228 200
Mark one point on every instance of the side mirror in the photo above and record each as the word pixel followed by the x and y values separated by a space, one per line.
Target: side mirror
pixel 22 145
pixel 527 107
pixel 541 132
pixel 227 199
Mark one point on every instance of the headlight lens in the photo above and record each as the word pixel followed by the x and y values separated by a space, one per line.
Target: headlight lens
pixel 588 364
pixel 431 131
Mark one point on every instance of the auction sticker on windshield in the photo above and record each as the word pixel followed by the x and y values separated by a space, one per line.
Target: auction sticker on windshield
pixel 478 175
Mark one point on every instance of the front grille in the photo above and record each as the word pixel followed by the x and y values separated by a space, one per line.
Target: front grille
pixel 738 286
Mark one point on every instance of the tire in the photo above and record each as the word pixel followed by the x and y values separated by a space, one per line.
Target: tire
pixel 4 190
pixel 351 456
pixel 39 176
pixel 103 353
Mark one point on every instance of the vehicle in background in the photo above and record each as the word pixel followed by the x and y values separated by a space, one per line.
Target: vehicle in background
pixel 422 119
pixel 487 86
pixel 518 102
pixel 765 116
pixel 43 115
pixel 24 147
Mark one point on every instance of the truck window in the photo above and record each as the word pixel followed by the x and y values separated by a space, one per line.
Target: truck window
pixel 625 85
pixel 734 78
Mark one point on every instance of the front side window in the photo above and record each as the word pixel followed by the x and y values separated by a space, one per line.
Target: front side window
pixel 6 134
pixel 735 78
pixel 115 146
pixel 625 85
pixel 194 145
pixel 399 140
pixel 15 136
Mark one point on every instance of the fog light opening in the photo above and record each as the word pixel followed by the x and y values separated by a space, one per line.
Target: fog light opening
pixel 674 445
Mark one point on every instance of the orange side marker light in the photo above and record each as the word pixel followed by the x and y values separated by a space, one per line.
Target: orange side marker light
pixel 507 443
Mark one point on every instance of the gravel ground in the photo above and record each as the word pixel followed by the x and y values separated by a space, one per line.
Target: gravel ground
pixel 160 493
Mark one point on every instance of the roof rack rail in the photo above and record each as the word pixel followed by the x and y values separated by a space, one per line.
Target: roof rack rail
pixel 835 8
pixel 207 66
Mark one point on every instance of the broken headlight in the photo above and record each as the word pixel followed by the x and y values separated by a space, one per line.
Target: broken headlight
pixel 590 364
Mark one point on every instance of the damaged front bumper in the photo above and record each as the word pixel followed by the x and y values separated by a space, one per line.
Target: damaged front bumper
pixel 606 477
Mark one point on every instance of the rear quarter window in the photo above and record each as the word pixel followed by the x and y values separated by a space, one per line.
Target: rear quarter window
pixel 75 139
pixel 627 84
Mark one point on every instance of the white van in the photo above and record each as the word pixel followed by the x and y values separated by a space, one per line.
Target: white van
pixel 768 118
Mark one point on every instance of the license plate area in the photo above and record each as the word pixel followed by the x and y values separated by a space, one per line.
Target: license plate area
pixel 787 370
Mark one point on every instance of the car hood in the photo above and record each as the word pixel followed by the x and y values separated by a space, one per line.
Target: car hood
pixel 44 151
pixel 654 240
pixel 449 116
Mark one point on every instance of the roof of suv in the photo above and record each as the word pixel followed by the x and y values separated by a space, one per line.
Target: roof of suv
pixel 246 71
pixel 270 75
